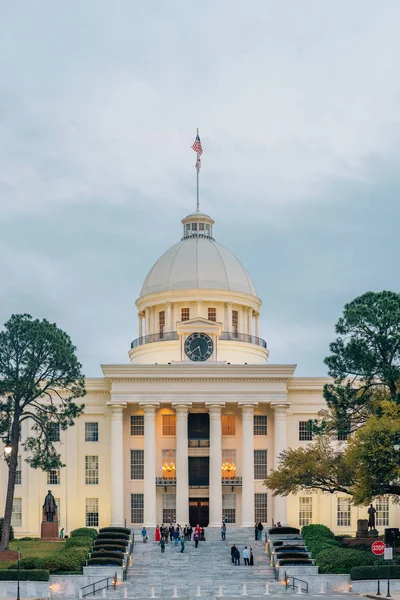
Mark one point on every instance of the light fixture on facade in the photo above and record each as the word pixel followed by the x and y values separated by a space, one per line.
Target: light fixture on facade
pixel 228 468
pixel 7 446
pixel 168 468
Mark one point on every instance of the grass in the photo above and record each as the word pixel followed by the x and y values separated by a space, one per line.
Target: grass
pixel 33 548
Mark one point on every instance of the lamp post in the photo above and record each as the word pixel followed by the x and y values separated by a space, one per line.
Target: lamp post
pixel 18 591
pixel 7 446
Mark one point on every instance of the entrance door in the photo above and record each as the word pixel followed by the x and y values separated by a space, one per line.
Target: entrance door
pixel 199 471
pixel 199 512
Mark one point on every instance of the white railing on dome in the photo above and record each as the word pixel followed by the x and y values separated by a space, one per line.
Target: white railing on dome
pixel 167 336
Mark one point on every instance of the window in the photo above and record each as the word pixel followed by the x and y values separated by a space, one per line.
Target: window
pixel 260 425
pixel 169 508
pixel 53 477
pixel 260 508
pixel 18 474
pixel 185 314
pixel 161 322
pixel 305 510
pixel 169 424
pixel 16 516
pixel 169 463
pixel 92 512
pixel 382 512
pixel 228 423
pixel 235 322
pixel 343 512
pixel 305 432
pixel 91 470
pixel 260 464
pixel 201 226
pixel 229 508
pixel 91 432
pixel 58 509
pixel 137 508
pixel 228 463
pixel 54 432
pixel 137 464
pixel 212 314
pixel 342 435
pixel 137 425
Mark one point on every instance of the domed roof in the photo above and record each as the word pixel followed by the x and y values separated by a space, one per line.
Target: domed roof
pixel 198 262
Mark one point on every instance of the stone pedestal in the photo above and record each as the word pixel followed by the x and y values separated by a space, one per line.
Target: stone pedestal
pixel 49 530
pixel 362 528
pixel 373 533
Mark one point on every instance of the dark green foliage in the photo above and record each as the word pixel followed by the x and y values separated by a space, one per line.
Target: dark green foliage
pixel 109 547
pixel 106 561
pixel 84 532
pixel 29 563
pixel 113 536
pixel 275 544
pixel 357 573
pixel 104 554
pixel 284 555
pixel 24 575
pixel 115 529
pixel 283 530
pixel 291 549
pixel 11 530
pixel 79 542
pixel 316 530
pixel 342 560
pixel 295 561
pixel 29 539
pixel 70 560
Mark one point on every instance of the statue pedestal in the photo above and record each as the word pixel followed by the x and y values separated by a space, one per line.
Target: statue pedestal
pixel 49 530
pixel 362 528
pixel 373 533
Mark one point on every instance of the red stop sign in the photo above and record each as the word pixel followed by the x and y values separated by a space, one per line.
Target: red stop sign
pixel 378 548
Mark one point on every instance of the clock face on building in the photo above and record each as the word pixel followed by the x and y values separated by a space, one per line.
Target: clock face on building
pixel 199 346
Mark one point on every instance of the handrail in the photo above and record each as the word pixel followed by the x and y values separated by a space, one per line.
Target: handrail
pixel 167 336
pixel 243 337
pixel 292 585
pixel 93 585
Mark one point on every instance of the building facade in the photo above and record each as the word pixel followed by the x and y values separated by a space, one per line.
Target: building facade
pixel 188 428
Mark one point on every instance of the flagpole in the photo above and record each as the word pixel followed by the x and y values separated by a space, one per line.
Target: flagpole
pixel 198 202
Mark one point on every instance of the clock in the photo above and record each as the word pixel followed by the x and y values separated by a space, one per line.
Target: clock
pixel 199 346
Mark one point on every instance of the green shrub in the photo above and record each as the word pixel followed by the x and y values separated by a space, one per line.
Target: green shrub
pixel 79 542
pixel 113 535
pixel 291 549
pixel 69 560
pixel 11 530
pixel 106 561
pixel 98 541
pixel 357 573
pixel 316 545
pixel 109 548
pixel 24 575
pixel 32 562
pixel 85 532
pixel 284 555
pixel 342 560
pixel 29 539
pixel 116 529
pixel 283 530
pixel 295 561
pixel 320 531
pixel 275 544
pixel 103 554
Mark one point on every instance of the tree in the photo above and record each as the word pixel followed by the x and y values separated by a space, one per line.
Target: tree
pixel 40 377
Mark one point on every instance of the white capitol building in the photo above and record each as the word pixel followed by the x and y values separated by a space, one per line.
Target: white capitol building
pixel 189 427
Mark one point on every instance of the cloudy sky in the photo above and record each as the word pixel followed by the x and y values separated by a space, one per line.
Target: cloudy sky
pixel 298 105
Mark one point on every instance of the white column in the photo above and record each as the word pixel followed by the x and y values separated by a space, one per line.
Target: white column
pixel 147 320
pixel 247 464
pixel 280 444
pixel 150 517
pixel 198 308
pixel 140 323
pixel 215 463
pixel 117 464
pixel 250 321
pixel 228 325
pixel 257 325
pixel 182 463
pixel 168 320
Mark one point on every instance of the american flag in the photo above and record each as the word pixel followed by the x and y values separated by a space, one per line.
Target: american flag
pixel 197 147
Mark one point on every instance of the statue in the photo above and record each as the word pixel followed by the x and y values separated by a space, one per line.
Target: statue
pixel 371 518
pixel 49 507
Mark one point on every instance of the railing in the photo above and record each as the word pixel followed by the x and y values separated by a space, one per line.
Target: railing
pixel 166 481
pixel 237 481
pixel 168 336
pixel 97 586
pixel 293 585
pixel 198 443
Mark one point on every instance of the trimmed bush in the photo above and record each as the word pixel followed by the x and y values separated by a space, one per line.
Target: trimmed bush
pixel 98 541
pixel 342 560
pixel 358 573
pixel 295 561
pixel 316 545
pixel 28 564
pixel 24 575
pixel 79 542
pixel 106 561
pixel 11 530
pixel 292 549
pixel 70 560
pixel 284 530
pixel 29 539
pixel 275 544
pixel 319 531
pixel 109 548
pixel 85 532
pixel 116 529
pixel 285 555
pixel 104 554
pixel 113 535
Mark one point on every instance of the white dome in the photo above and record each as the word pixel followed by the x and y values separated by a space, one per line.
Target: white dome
pixel 198 263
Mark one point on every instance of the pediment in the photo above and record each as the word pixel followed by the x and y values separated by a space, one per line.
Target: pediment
pixel 199 324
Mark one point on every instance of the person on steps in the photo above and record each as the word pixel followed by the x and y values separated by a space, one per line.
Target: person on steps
pixel 162 544
pixel 260 530
pixel 233 548
pixel 256 532
pixel 236 556
pixel 196 538
pixel 176 536
pixel 251 558
pixel 182 544
pixel 223 532
pixel 144 534
pixel 246 556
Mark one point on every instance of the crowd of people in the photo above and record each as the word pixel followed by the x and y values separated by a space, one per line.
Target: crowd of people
pixel 247 555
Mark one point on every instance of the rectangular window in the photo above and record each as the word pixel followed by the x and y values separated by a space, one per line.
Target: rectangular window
pixel 201 226
pixel 212 314
pixel 343 512
pixel 137 464
pixel 260 425
pixel 137 425
pixel 91 470
pixel 169 508
pixel 54 432
pixel 161 322
pixel 53 477
pixel 169 464
pixel 228 423
pixel 92 512
pixel 235 322
pixel 137 508
pixel 229 508
pixel 261 508
pixel 92 432
pixel 169 424
pixel 342 435
pixel 228 464
pixel 305 431
pixel 260 464
pixel 16 516
pixel 18 474
pixel 185 314
pixel 305 510
pixel 382 512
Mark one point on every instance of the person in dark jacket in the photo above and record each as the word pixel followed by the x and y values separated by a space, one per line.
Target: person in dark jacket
pixel 251 558
pixel 256 532
pixel 236 556
pixel 171 532
pixel 260 528
pixel 202 535
pixel 233 548
pixel 196 538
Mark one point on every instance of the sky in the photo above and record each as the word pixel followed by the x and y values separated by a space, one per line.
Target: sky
pixel 298 109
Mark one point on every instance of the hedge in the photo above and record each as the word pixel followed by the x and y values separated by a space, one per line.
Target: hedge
pixel 275 544
pixel 85 532
pixel 342 560
pixel 285 555
pixel 24 575
pixel 295 561
pixel 357 573
pixel 109 548
pixel 116 529
pixel 292 549
pixel 79 542
pixel 103 554
pixel 320 531
pixel 32 562
pixel 316 545
pixel 70 560
pixel 101 540
pixel 11 530
pixel 113 535
pixel 106 561
pixel 283 530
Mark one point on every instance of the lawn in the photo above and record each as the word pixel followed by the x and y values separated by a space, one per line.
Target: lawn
pixel 33 548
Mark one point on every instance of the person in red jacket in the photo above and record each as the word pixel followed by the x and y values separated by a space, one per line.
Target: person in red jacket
pixel 157 535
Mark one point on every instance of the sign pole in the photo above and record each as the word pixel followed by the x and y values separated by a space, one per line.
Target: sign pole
pixel 378 593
